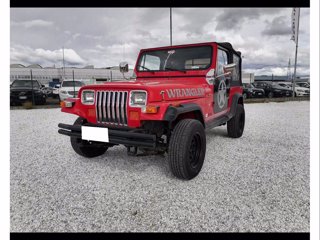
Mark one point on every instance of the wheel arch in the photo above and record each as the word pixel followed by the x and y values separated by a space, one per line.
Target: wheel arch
pixel 183 111
pixel 236 99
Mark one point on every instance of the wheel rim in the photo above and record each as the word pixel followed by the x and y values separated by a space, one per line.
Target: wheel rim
pixel 195 150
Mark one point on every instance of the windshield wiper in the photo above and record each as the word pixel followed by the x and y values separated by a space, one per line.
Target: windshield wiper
pixel 175 69
pixel 145 68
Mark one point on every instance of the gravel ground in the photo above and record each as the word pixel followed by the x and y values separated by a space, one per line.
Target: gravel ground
pixel 259 182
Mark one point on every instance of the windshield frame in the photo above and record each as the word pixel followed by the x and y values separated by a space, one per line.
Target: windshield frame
pixel 143 52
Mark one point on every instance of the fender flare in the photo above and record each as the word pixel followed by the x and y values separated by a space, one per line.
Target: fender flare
pixel 235 100
pixel 172 112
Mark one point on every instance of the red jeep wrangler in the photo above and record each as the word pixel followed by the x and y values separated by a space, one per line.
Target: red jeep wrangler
pixel 179 92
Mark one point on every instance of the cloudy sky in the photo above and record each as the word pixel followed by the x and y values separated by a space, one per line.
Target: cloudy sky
pixel 105 36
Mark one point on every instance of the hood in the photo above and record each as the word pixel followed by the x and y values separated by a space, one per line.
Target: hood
pixel 159 89
pixel 69 88
pixel 281 88
pixel 302 88
pixel 257 89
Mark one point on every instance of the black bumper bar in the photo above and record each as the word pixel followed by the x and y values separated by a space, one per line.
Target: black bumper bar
pixel 115 136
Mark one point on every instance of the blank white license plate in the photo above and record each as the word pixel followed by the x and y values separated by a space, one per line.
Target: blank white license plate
pixel 95 134
pixel 23 97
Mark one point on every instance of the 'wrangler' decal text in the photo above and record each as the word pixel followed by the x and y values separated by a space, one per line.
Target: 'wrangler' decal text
pixel 185 92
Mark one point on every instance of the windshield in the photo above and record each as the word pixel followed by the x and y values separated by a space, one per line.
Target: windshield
pixel 283 85
pixel 247 85
pixel 25 83
pixel 179 59
pixel 302 85
pixel 72 83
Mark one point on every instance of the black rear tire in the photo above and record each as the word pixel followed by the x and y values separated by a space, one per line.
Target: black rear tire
pixel 187 149
pixel 235 125
pixel 86 148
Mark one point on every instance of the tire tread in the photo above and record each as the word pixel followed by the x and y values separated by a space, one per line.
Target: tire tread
pixel 176 152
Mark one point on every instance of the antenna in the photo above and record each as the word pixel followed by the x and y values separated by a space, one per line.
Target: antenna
pixel 170 26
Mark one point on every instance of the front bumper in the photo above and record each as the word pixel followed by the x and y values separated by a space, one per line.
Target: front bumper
pixel 16 99
pixel 258 94
pixel 302 94
pixel 124 137
pixel 282 93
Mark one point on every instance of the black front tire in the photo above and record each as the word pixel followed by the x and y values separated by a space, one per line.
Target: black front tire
pixel 85 148
pixel 235 125
pixel 187 149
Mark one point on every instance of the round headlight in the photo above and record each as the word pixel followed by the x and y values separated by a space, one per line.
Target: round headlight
pixel 87 97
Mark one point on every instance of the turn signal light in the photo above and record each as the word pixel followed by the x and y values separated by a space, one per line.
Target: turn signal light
pixel 66 104
pixel 150 109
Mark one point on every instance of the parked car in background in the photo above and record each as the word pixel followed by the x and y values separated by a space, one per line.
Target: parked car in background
pixel 55 90
pixel 22 91
pixel 69 89
pixel 273 89
pixel 250 91
pixel 298 90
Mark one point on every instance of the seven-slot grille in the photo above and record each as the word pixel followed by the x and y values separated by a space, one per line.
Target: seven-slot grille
pixel 111 107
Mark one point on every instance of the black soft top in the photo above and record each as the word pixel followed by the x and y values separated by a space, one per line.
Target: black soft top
pixel 228 46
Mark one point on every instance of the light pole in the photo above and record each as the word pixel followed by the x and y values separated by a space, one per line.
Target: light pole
pixel 170 26
pixel 295 38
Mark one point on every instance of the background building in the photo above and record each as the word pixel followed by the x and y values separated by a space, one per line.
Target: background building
pixel 247 77
pixel 88 74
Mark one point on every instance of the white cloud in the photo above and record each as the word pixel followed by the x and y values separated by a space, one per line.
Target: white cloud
pixel 27 55
pixel 76 35
pixel 33 23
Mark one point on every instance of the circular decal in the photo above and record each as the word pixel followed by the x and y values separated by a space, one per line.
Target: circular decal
pixel 222 94
pixel 210 77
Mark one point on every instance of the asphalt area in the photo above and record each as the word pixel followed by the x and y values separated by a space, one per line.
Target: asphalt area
pixel 259 182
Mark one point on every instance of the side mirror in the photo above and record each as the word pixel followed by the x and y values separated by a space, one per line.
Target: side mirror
pixel 42 85
pixel 229 68
pixel 124 67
